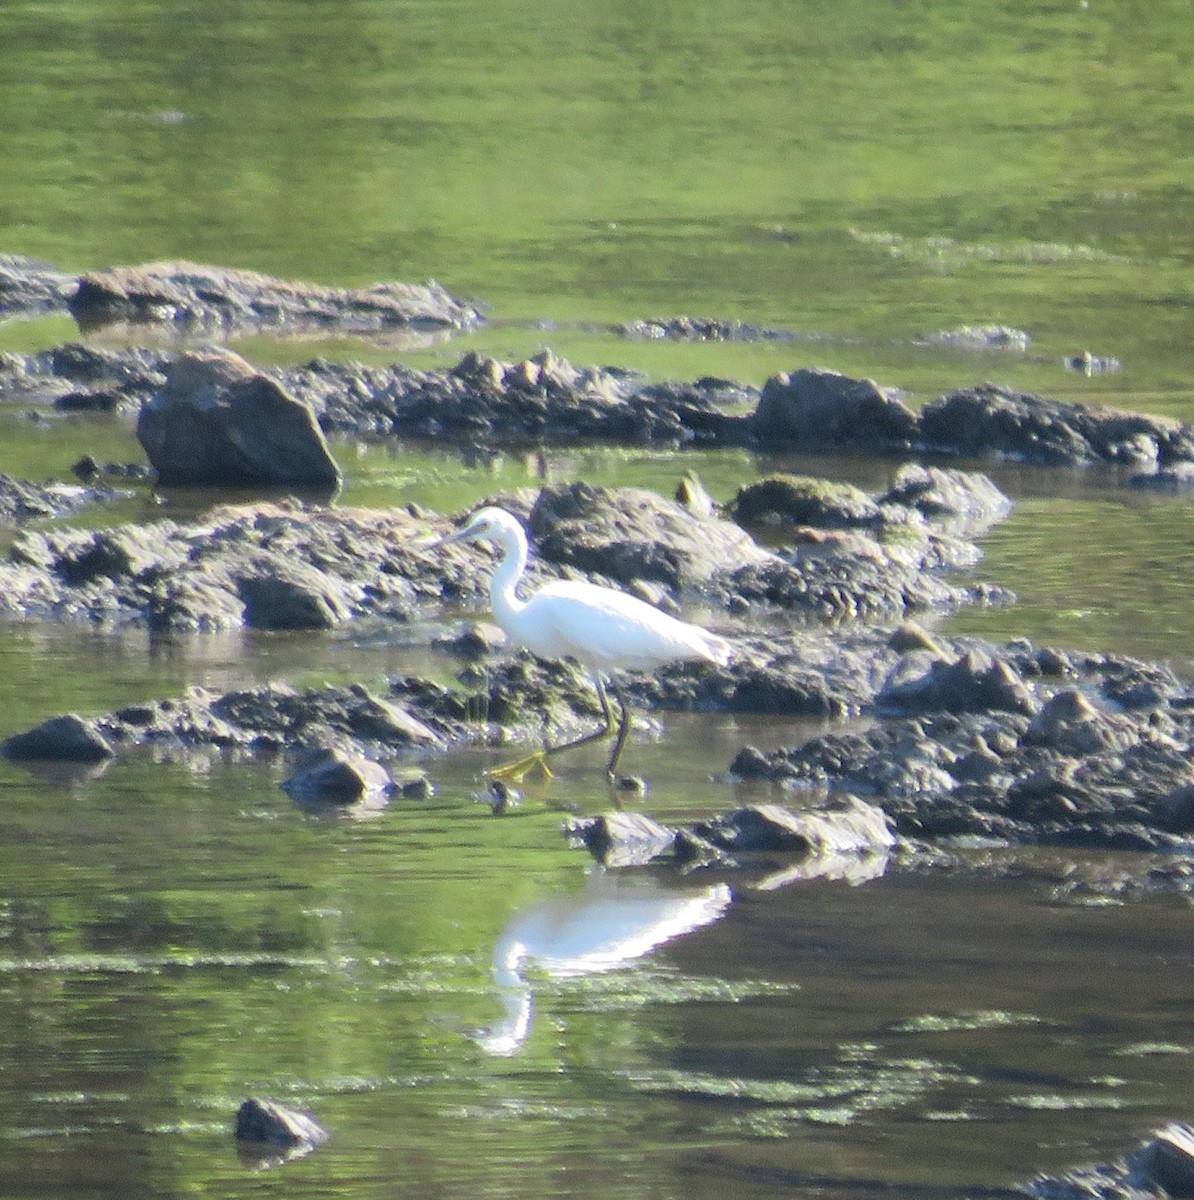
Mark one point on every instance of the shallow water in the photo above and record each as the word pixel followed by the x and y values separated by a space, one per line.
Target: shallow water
pixel 176 937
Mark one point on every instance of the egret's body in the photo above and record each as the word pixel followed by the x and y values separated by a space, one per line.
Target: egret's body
pixel 603 629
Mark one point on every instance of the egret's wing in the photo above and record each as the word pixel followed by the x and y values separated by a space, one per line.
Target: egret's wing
pixel 612 631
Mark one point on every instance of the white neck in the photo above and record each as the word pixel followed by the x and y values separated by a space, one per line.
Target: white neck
pixel 503 596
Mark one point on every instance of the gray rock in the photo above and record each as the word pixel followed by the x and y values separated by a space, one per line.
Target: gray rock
pixel 336 776
pixel 817 407
pixel 68 738
pixel 622 839
pixel 630 534
pixel 849 826
pixel 189 296
pixel 219 422
pixel 29 288
pixel 975 682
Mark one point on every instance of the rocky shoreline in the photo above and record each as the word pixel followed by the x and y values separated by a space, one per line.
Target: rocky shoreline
pixel 951 738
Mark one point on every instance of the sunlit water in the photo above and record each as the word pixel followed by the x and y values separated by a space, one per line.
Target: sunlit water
pixel 176 937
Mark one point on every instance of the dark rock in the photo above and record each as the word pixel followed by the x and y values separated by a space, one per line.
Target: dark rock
pixel 68 738
pixel 277 1125
pixel 995 421
pixel 190 296
pixel 218 422
pixel 414 785
pixel 277 594
pixel 335 776
pixel 816 407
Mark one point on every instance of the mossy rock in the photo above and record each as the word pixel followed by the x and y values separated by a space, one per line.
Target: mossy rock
pixel 804 500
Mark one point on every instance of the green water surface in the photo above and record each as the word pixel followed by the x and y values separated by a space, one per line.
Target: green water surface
pixel 175 936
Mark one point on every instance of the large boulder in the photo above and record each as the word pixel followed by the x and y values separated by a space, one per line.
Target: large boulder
pixel 817 407
pixel 219 422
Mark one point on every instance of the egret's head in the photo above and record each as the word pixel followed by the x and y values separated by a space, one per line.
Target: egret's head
pixel 486 525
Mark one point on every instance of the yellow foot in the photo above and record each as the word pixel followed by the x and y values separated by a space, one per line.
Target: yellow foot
pixel 516 772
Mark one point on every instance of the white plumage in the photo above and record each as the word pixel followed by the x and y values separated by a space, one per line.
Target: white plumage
pixel 603 629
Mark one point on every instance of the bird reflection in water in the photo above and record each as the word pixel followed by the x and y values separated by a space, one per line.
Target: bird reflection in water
pixel 613 922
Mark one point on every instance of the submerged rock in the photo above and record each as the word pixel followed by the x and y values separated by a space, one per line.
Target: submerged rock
pixel 219 422
pixel 979 337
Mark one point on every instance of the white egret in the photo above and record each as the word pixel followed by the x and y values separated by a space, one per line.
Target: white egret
pixel 603 629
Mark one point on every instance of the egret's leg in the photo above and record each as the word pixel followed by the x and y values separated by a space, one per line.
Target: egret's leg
pixel 623 729
pixel 514 772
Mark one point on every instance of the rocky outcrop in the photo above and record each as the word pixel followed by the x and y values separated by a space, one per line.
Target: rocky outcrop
pixel 191 297
pixel 992 421
pixel 1015 744
pixel 545 396
pixel 268 566
pixel 218 422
